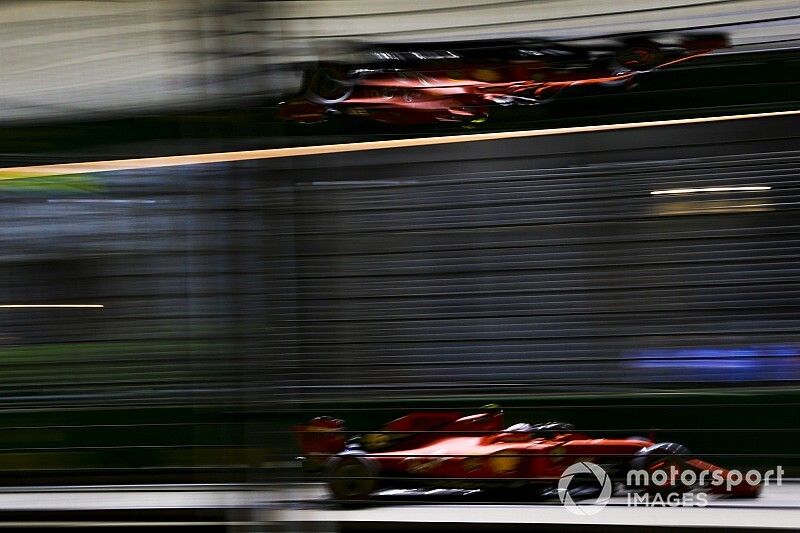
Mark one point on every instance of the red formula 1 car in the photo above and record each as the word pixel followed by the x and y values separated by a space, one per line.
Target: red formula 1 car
pixel 435 449
pixel 460 82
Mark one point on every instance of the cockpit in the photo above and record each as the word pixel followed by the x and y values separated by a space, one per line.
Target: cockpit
pixel 524 432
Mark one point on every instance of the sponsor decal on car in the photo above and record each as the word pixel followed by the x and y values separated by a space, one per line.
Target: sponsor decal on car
pixel 557 454
pixel 472 464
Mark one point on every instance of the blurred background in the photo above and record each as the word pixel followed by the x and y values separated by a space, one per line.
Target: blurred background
pixel 106 78
pixel 171 324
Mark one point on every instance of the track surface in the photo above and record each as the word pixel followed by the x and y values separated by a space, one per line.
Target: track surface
pixel 778 507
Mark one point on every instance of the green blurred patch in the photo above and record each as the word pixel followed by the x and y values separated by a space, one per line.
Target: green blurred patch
pixel 110 362
pixel 65 183
pixel 81 351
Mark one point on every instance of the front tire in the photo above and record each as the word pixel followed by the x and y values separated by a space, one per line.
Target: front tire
pixel 664 457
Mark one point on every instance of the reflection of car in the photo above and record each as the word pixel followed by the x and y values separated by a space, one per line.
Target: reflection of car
pixel 459 82
pixel 448 450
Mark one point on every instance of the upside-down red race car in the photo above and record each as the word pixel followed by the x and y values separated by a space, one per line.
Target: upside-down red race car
pixel 444 449
pixel 459 82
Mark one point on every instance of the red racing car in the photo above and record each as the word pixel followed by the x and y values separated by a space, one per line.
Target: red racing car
pixel 460 82
pixel 444 449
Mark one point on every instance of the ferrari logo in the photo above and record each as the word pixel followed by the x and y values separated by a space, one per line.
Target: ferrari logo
pixel 375 441
pixel 503 462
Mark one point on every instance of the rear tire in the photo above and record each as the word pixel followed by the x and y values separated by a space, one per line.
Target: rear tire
pixel 352 477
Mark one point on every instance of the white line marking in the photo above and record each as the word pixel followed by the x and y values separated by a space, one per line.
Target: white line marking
pixel 550 514
pixel 96 201
pixel 11 173
pixel 113 524
pixel 51 306
pixel 712 189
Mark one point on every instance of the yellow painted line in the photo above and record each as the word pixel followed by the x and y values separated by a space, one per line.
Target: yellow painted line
pixel 12 173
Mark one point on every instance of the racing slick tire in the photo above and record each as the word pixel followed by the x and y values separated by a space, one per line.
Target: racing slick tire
pixel 352 476
pixel 663 456
pixel 328 84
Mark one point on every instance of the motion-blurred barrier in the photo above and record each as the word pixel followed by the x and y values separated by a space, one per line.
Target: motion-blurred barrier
pixel 598 261
pixel 605 262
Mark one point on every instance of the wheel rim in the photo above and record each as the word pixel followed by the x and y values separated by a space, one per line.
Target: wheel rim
pixel 352 480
